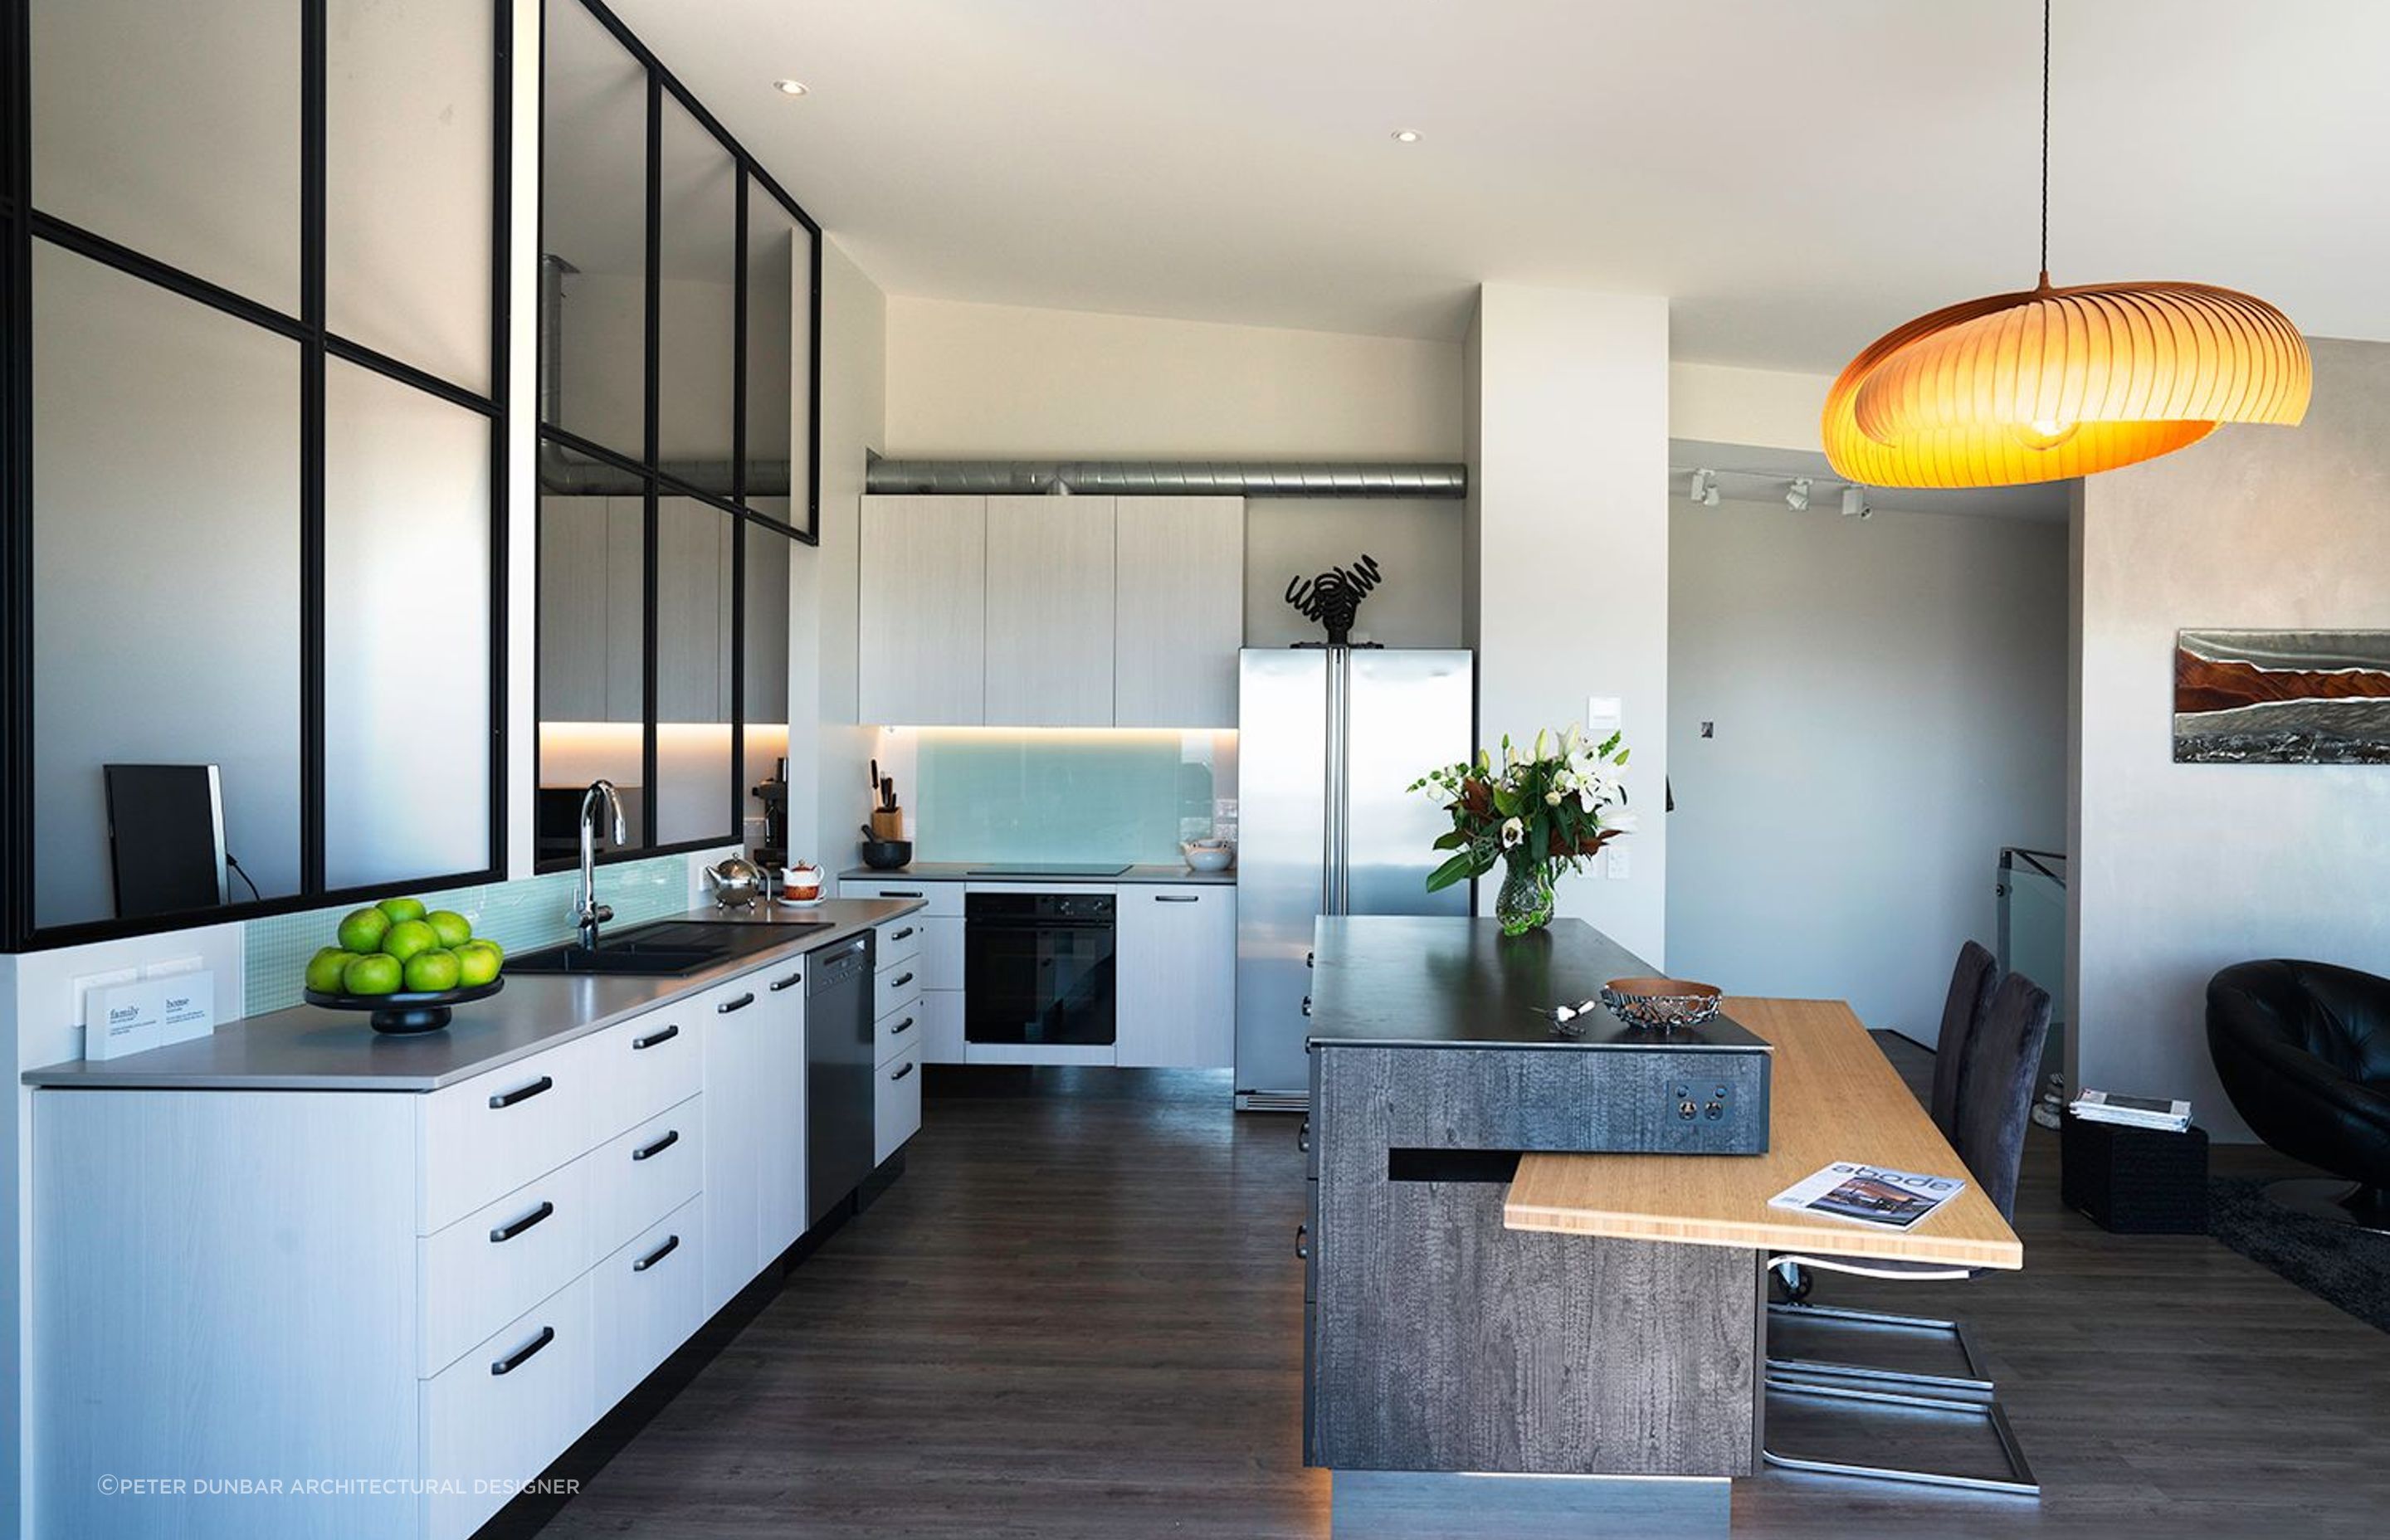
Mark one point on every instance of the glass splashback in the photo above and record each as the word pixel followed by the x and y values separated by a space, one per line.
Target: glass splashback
pixel 1060 794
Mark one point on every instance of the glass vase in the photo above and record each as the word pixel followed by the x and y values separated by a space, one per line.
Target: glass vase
pixel 1525 902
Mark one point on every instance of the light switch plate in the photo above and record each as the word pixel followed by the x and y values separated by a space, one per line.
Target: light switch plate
pixel 1615 860
pixel 1603 715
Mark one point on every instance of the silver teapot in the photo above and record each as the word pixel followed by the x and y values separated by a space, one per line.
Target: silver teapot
pixel 737 883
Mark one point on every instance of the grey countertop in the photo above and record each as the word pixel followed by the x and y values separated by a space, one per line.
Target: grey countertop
pixel 1406 980
pixel 976 871
pixel 307 1048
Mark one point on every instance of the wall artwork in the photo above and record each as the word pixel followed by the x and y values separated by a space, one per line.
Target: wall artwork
pixel 2281 698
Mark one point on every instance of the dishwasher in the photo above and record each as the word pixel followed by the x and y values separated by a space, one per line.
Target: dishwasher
pixel 839 1089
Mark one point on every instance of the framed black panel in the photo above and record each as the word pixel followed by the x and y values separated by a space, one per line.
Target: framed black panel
pixel 21 226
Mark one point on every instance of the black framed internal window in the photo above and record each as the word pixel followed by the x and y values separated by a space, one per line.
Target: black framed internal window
pixel 255 379
pixel 680 301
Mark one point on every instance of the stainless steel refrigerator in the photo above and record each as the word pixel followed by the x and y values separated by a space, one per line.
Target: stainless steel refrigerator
pixel 1327 741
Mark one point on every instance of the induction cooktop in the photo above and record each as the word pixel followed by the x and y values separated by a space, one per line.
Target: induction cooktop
pixel 1046 868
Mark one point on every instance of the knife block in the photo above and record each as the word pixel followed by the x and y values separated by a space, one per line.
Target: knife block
pixel 888 822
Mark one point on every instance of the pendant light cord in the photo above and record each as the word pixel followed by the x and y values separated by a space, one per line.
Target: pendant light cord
pixel 2045 144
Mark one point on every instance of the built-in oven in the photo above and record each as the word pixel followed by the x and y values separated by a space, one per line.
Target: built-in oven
pixel 1037 967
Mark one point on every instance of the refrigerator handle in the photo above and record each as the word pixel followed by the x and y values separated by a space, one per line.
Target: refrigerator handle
pixel 1339 724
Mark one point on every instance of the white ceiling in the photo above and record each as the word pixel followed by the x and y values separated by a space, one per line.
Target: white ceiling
pixel 1797 175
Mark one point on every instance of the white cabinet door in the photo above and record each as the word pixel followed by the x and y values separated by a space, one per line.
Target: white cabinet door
pixel 572 549
pixel 626 608
pixel 1176 951
pixel 782 1202
pixel 1050 611
pixel 738 1070
pixel 941 1026
pixel 1179 611
pixel 896 1104
pixel 923 616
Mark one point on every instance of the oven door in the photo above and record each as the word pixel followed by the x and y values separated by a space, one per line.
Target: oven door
pixel 1037 968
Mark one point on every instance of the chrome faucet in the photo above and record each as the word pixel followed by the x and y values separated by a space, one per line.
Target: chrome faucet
pixel 588 913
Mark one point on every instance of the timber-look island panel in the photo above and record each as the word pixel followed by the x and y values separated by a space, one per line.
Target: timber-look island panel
pixel 1836 1097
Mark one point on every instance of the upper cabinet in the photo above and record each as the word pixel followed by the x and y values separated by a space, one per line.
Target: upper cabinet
pixel 922 649
pixel 1051 611
pixel 1178 611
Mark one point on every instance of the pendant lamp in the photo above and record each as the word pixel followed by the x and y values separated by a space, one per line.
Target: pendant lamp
pixel 2049 383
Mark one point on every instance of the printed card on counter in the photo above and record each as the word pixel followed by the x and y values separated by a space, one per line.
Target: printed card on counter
pixel 1869 1195
pixel 149 1013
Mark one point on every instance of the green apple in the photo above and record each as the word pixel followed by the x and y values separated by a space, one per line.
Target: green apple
pixel 408 937
pixel 362 931
pixel 453 928
pixel 477 964
pixel 372 974
pixel 325 968
pixel 401 908
pixel 430 972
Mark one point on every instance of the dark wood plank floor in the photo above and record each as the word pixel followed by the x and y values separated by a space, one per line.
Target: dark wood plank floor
pixel 1078 1315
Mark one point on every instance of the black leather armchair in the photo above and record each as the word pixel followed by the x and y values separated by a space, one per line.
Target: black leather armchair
pixel 2304 1051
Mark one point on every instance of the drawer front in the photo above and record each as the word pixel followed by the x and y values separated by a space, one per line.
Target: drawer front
pixel 513 1403
pixel 648 1298
pixel 942 953
pixel 639 1177
pixel 500 1260
pixel 939 898
pixel 647 1064
pixel 483 1137
pixel 896 940
pixel 896 987
pixel 906 1027
pixel 896 1106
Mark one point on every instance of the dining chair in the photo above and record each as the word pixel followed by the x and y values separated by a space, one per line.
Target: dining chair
pixel 1992 1107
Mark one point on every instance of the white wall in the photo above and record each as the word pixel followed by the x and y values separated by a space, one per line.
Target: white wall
pixel 1570 559
pixel 1889 698
pixel 1769 408
pixel 826 794
pixel 1416 543
pixel 2181 869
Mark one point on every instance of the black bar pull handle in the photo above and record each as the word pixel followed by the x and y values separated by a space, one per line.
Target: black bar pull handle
pixel 1302 1137
pixel 901 1074
pixel 900 935
pixel 522 1093
pixel 671 1244
pixel 1303 1241
pixel 672 1137
pixel 900 1027
pixel 900 980
pixel 522 1355
pixel 1178 898
pixel 1306 1005
pixel 791 981
pixel 726 1007
pixel 507 1232
pixel 654 1037
pixel 900 893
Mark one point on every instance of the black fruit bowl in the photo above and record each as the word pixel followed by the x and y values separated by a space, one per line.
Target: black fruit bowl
pixel 408 1010
pixel 887 855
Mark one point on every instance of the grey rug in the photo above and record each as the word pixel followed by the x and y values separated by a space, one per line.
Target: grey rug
pixel 2338 1263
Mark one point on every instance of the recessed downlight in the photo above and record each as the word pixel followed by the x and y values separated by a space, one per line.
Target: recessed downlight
pixel 789 87
pixel 1406 136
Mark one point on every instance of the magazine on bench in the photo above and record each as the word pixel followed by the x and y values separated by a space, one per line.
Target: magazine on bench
pixel 1847 1189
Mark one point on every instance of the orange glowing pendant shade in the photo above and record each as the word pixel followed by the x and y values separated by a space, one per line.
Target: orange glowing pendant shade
pixel 2050 383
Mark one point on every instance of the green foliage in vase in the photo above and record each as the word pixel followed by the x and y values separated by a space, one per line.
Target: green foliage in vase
pixel 1559 804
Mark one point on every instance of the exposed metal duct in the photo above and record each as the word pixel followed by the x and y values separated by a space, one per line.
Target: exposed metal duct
pixel 1169 478
pixel 566 473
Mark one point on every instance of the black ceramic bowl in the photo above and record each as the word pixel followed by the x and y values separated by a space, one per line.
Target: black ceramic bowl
pixel 887 855
pixel 407 1011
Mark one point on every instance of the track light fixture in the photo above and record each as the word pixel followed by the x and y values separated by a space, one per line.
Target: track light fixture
pixel 1855 503
pixel 1706 488
pixel 1796 496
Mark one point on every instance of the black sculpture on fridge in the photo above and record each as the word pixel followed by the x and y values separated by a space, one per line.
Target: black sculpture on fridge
pixel 1333 598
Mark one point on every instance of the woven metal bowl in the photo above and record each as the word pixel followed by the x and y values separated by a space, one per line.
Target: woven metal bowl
pixel 1661 1005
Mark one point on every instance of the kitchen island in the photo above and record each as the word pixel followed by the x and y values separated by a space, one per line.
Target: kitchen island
pixel 1536 1254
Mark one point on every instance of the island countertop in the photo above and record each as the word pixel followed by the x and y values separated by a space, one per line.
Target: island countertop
pixel 979 871
pixel 308 1048
pixel 1395 980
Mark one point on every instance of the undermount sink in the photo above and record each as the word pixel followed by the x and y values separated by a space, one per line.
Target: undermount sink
pixel 661 949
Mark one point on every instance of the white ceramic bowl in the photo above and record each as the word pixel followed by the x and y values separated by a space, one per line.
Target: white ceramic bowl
pixel 1209 858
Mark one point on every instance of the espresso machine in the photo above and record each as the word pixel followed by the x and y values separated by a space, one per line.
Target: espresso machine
pixel 773 854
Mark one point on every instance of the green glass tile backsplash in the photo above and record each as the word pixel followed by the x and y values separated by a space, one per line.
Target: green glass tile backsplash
pixel 518 915
pixel 1049 794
